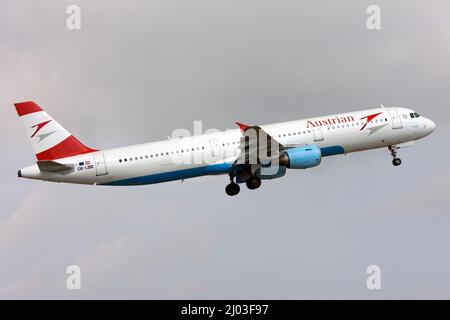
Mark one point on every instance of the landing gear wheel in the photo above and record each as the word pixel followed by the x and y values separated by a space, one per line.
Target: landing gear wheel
pixel 253 183
pixel 393 150
pixel 397 161
pixel 232 189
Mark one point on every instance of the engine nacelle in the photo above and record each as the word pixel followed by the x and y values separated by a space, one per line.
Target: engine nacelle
pixel 301 157
pixel 272 172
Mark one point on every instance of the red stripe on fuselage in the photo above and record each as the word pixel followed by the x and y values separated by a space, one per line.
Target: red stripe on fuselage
pixel 66 148
pixel 24 108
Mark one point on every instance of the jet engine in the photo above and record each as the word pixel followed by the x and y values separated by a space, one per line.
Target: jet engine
pixel 303 157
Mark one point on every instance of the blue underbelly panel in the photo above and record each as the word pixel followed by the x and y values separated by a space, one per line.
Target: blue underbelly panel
pixel 331 151
pixel 220 168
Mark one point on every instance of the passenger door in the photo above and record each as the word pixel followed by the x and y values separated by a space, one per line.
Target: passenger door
pixel 100 165
pixel 396 120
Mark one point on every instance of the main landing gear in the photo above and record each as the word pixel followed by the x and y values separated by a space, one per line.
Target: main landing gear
pixel 233 188
pixel 253 182
pixel 395 161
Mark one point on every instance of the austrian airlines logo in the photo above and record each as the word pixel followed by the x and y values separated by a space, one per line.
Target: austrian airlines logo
pixel 337 120
pixel 38 127
pixel 369 118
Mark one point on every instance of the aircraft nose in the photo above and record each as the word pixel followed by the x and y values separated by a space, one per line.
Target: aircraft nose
pixel 430 125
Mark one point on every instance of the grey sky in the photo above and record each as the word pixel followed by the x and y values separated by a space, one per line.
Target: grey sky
pixel 136 72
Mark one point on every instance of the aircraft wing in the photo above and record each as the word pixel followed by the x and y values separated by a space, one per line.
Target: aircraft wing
pixel 257 146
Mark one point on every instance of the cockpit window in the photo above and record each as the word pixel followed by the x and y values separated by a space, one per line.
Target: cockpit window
pixel 416 114
pixel 412 115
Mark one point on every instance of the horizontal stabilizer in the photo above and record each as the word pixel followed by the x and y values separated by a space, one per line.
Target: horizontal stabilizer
pixel 53 166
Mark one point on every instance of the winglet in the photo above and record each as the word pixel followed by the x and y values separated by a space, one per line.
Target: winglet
pixel 242 126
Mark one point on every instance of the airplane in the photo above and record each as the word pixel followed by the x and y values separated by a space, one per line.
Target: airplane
pixel 247 154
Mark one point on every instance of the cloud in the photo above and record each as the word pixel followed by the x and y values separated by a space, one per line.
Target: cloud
pixel 27 221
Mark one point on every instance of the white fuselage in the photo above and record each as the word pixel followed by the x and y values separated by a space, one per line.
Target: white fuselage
pixel 214 153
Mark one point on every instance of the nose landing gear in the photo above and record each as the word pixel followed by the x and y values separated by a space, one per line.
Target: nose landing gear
pixel 395 161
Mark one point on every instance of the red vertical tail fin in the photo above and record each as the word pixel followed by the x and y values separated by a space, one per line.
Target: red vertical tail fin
pixel 48 138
